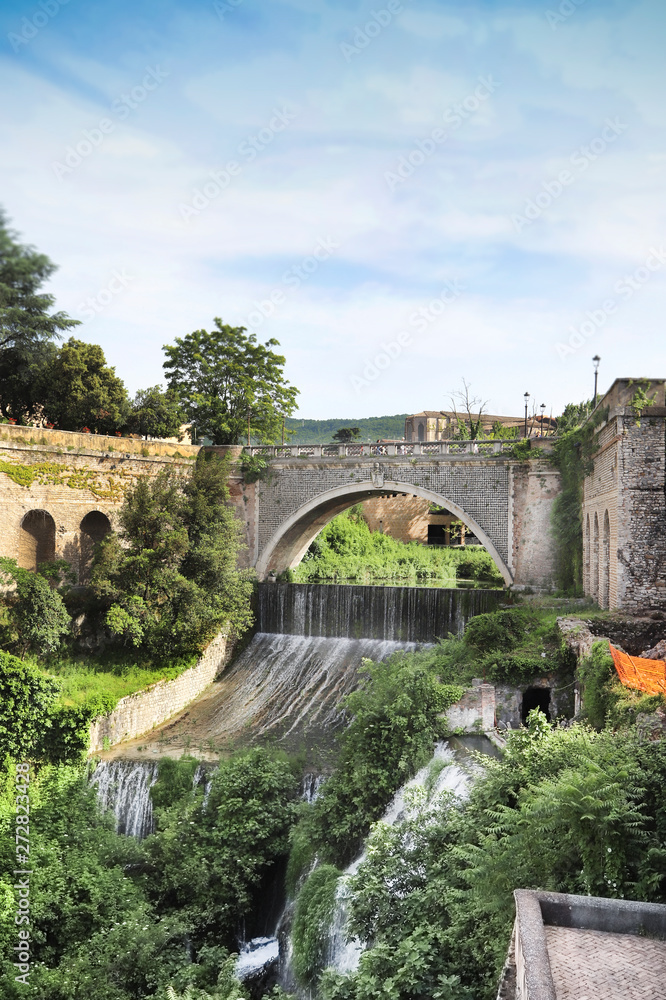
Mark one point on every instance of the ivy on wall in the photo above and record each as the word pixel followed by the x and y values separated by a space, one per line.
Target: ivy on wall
pixel 105 486
pixel 573 455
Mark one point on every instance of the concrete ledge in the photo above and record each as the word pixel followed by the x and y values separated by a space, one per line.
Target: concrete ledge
pixel 535 911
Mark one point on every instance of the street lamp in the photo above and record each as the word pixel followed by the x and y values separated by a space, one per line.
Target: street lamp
pixel 527 396
pixel 542 408
pixel 596 359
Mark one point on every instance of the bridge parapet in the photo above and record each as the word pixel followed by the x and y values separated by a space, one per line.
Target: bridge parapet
pixel 399 448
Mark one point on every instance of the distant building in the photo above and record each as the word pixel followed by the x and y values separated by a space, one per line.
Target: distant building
pixel 438 425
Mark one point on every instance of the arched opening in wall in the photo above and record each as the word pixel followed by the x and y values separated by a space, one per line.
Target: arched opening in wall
pixel 421 432
pixel 293 536
pixel 595 559
pixel 588 553
pixel 36 539
pixel 94 527
pixel 535 697
pixel 605 563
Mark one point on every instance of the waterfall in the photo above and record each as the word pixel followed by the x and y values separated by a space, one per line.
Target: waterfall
pixel 285 685
pixel 123 786
pixel 398 614
pixel 344 952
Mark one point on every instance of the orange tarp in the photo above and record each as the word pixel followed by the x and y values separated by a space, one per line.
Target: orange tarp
pixel 634 672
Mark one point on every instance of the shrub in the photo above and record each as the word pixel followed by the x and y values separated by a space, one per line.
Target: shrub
pixel 27 697
pixel 500 630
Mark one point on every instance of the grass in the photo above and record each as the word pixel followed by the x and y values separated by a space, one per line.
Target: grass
pixel 346 550
pixel 106 680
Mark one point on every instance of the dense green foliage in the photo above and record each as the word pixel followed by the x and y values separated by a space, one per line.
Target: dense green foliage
pixel 395 719
pixel 302 431
pixel 156 413
pixel 115 919
pixel 80 390
pixel 346 549
pixel 565 810
pixel 169 582
pixel 572 456
pixel 26 700
pixel 227 380
pixel 33 616
pixel 27 327
pixel 312 919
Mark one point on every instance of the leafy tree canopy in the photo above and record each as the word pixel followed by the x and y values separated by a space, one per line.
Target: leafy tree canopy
pixel 33 618
pixel 26 698
pixel 170 582
pixel 80 390
pixel 224 376
pixel 27 327
pixel 156 413
pixel 346 434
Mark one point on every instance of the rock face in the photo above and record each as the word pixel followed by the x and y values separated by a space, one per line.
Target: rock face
pixel 658 652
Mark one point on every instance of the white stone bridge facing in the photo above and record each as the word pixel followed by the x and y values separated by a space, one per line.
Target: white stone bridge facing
pixel 504 502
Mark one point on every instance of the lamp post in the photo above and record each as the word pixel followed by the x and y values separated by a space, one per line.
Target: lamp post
pixel 527 396
pixel 542 408
pixel 596 359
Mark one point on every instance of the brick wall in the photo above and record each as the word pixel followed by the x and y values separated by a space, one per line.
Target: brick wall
pixel 67 485
pixel 139 713
pixel 624 511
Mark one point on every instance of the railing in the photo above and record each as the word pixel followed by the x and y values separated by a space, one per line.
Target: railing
pixel 395 449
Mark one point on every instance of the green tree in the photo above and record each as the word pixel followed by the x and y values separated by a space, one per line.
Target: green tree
pixel 26 699
pixel 347 434
pixel 27 327
pixel 225 378
pixel 81 390
pixel 156 413
pixel 170 582
pixel 35 617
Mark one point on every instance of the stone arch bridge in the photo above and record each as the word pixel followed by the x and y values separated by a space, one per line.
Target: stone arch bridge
pixel 61 493
pixel 505 503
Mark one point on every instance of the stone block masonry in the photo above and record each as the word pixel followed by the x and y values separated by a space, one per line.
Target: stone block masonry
pixel 47 492
pixel 624 502
pixel 139 713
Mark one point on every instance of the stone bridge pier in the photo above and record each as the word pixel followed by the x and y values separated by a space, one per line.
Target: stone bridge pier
pixel 505 503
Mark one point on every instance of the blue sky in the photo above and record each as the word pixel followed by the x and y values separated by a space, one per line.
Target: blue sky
pixel 403 193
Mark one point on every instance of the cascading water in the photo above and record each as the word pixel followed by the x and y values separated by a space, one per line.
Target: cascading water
pixel 344 952
pixel 398 614
pixel 123 786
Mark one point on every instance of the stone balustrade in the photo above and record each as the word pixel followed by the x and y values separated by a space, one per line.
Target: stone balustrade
pixel 392 449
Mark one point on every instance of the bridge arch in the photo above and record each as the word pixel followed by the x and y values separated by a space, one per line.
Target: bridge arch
pixel 291 540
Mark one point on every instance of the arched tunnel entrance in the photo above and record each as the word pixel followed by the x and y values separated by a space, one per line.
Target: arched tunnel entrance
pixel 535 697
pixel 292 539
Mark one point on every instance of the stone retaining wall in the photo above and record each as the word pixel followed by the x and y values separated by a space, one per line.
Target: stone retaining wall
pixel 139 713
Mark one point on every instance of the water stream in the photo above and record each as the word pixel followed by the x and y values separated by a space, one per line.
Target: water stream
pixel 123 786
pixel 287 686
